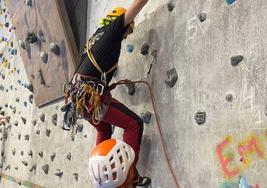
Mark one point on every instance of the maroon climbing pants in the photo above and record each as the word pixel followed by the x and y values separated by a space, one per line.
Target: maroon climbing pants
pixel 121 116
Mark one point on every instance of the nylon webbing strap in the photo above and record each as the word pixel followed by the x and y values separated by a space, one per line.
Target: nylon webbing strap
pixel 92 59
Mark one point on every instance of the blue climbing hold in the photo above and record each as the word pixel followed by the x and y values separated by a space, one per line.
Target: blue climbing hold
pixel 243 183
pixel 230 1
pixel 130 48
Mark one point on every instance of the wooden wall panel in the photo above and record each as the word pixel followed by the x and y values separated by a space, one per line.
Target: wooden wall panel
pixel 50 17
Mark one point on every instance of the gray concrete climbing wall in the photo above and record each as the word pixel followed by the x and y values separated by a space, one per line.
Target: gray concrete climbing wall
pixel 213 118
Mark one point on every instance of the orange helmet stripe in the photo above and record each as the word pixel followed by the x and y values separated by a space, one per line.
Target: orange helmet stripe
pixel 103 148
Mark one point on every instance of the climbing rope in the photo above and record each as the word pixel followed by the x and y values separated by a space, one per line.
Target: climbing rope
pixel 123 82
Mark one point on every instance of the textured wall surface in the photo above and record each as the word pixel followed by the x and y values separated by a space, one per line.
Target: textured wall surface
pixel 228 150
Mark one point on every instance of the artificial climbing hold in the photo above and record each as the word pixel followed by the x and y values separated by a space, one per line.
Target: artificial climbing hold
pixel 75 176
pixel 202 16
pixel 52 157
pixel 145 49
pixel 34 122
pixel 146 117
pixel 31 98
pixel 33 168
pixel 40 35
pixel 230 1
pixel 235 60
pixel 14 151
pixel 131 88
pixel 200 118
pixel 30 153
pixel 21 153
pixel 30 87
pixel 172 77
pixel 170 5
pixel 42 117
pixel 38 132
pixel 54 119
pixel 25 163
pixel 80 128
pixel 229 97
pixel 47 132
pixel 41 78
pixel 28 2
pixel 31 37
pixel 44 57
pixel 23 120
pixel 41 154
pixel 45 168
pixel 19 136
pixel 130 48
pixel 59 173
pixel 27 137
pixel 55 48
pixel 16 123
pixel 69 156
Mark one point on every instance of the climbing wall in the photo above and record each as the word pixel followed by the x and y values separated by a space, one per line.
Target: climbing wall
pixel 47 46
pixel 206 63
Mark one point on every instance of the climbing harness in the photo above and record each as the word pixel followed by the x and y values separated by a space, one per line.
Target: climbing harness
pixel 88 50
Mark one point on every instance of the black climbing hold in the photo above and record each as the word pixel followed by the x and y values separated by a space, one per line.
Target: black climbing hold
pixel 59 173
pixel 23 120
pixel 54 119
pixel 52 157
pixel 229 97
pixel 31 98
pixel 16 123
pixel 47 132
pixel 38 132
pixel 44 57
pixel 145 49
pixel 19 136
pixel 42 117
pixel 146 117
pixel 31 37
pixel 202 16
pixel 7 167
pixel 172 77
pixel 45 168
pixel 30 153
pixel 41 78
pixel 27 137
pixel 235 60
pixel 76 175
pixel 21 153
pixel 40 35
pixel 170 6
pixel 25 163
pixel 7 24
pixel 55 48
pixel 200 118
pixel 131 88
pixel 41 154
pixel 25 103
pixel 30 87
pixel 33 168
pixel 17 99
pixel 69 156
pixel 28 2
pixel 34 121
pixel 14 151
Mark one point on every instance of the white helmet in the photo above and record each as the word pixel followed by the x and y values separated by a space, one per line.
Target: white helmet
pixel 110 162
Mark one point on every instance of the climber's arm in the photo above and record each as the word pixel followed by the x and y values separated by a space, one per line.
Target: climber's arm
pixel 133 10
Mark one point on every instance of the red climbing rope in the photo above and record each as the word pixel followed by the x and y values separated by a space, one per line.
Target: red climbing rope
pixel 121 82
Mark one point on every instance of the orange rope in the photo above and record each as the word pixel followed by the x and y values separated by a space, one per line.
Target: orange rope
pixel 158 123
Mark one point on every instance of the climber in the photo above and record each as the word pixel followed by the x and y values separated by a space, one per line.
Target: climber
pixel 88 94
